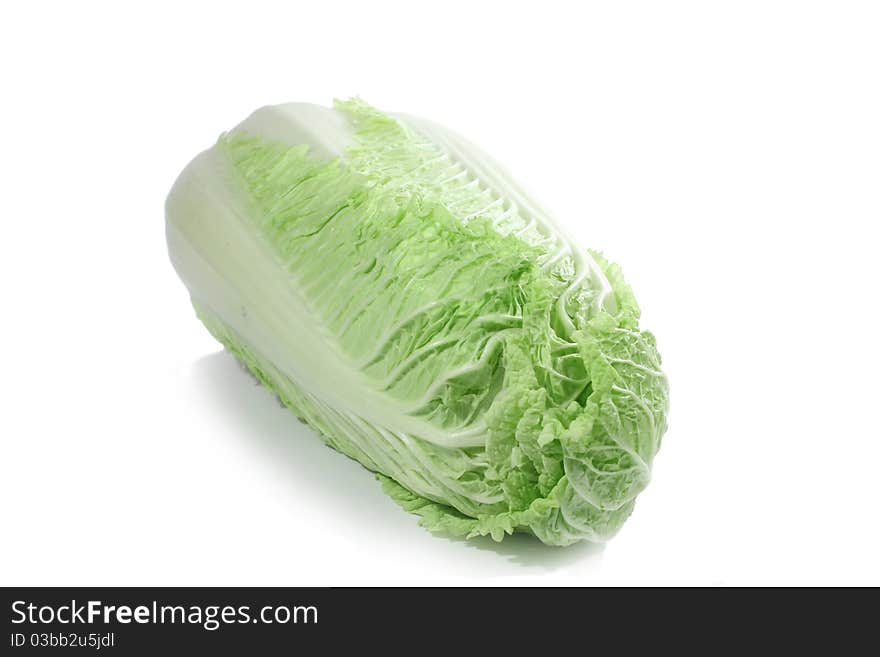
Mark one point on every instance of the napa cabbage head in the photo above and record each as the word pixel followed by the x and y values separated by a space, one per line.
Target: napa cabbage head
pixel 401 294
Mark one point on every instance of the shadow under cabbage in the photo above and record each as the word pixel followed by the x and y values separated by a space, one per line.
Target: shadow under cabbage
pixel 284 442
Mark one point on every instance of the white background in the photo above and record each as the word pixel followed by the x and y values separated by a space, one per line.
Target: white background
pixel 727 154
